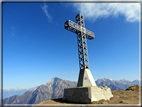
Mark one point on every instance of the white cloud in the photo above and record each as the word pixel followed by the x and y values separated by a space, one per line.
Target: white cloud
pixel 13 31
pixel 44 8
pixel 69 72
pixel 93 11
pixel 73 72
pixel 65 72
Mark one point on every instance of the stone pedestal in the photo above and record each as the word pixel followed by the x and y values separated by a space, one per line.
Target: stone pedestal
pixel 85 78
pixel 87 94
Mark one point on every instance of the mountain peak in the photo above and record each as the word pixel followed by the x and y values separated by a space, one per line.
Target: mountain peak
pixel 124 79
pixel 103 79
pixel 54 79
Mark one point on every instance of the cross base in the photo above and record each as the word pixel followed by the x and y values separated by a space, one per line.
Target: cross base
pixel 85 78
pixel 87 94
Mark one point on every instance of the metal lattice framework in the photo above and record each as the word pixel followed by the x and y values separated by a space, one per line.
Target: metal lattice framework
pixel 82 34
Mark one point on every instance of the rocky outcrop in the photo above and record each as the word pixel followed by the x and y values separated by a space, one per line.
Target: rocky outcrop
pixel 133 88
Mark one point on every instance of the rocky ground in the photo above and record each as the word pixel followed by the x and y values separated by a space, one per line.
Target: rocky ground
pixel 129 96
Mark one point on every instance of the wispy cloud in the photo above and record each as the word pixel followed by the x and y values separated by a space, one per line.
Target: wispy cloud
pixel 13 31
pixel 93 11
pixel 65 72
pixel 45 10
pixel 69 72
pixel 73 72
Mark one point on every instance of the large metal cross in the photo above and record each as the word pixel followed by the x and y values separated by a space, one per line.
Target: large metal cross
pixel 82 34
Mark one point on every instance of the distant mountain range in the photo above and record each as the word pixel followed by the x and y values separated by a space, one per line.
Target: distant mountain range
pixel 16 91
pixel 55 87
pixel 115 84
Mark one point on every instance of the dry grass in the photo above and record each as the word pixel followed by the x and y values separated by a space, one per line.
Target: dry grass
pixel 100 102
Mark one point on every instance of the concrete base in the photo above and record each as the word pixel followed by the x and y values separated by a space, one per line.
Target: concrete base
pixel 87 94
pixel 85 78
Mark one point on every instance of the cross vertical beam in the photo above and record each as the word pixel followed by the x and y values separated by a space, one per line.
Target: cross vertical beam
pixel 85 76
pixel 82 43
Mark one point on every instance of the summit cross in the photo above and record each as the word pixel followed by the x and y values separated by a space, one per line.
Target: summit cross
pixel 85 76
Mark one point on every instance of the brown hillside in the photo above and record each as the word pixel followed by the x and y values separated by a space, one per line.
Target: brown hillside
pixel 133 88
pixel 129 96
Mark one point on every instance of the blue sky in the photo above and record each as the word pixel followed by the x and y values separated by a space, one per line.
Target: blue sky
pixel 37 47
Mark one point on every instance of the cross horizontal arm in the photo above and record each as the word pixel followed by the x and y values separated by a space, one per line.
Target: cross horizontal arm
pixel 73 27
